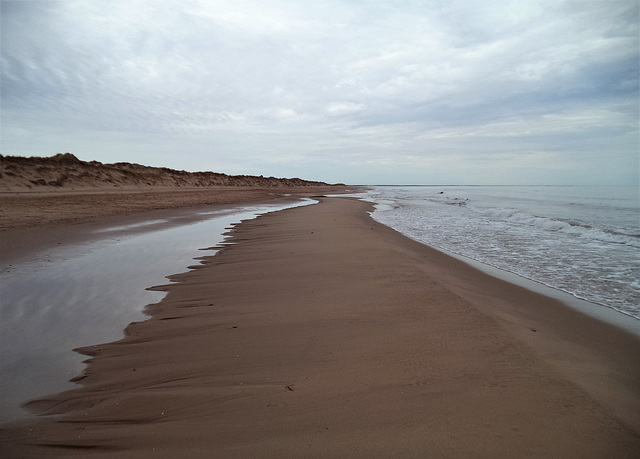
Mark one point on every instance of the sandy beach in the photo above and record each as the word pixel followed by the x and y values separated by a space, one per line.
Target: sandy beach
pixel 321 333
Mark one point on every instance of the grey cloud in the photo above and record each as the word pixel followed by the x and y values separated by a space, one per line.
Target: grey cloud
pixel 314 79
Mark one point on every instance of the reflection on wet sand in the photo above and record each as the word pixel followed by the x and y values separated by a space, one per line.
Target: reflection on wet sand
pixel 87 295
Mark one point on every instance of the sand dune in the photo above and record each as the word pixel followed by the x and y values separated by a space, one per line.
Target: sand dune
pixel 64 172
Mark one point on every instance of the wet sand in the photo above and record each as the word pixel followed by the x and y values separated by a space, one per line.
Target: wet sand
pixel 79 294
pixel 321 333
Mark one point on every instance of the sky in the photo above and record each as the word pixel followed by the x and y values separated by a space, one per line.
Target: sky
pixel 353 91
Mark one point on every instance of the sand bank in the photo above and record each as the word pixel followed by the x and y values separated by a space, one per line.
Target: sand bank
pixel 321 333
pixel 20 210
pixel 35 221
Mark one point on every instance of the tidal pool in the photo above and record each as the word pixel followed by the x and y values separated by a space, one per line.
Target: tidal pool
pixel 80 295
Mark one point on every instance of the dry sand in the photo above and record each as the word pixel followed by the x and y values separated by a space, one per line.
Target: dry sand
pixel 321 333
pixel 21 210
pixel 34 221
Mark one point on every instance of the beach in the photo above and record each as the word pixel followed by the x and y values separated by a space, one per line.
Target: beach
pixel 318 332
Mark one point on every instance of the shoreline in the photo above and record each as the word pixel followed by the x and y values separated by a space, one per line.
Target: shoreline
pixel 598 311
pixel 581 241
pixel 467 278
pixel 495 357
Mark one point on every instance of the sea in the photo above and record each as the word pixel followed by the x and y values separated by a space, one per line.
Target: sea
pixel 582 240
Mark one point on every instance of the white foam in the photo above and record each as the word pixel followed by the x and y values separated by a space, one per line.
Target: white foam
pixel 544 240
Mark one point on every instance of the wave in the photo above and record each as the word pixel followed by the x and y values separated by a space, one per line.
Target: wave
pixel 614 235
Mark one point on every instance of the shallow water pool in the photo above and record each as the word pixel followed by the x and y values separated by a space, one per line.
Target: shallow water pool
pixel 80 295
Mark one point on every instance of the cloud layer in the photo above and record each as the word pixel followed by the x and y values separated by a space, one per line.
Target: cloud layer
pixel 360 92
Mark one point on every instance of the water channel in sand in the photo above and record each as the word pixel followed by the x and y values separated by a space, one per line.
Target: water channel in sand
pixel 80 295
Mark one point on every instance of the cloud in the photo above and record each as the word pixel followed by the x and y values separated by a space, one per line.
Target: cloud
pixel 307 86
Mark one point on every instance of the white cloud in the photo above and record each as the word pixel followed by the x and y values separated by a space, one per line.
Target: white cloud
pixel 344 108
pixel 256 84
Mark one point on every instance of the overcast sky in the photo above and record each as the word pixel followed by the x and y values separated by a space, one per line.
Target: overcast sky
pixel 375 92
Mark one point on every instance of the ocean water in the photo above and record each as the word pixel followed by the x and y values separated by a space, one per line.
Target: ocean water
pixel 581 240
